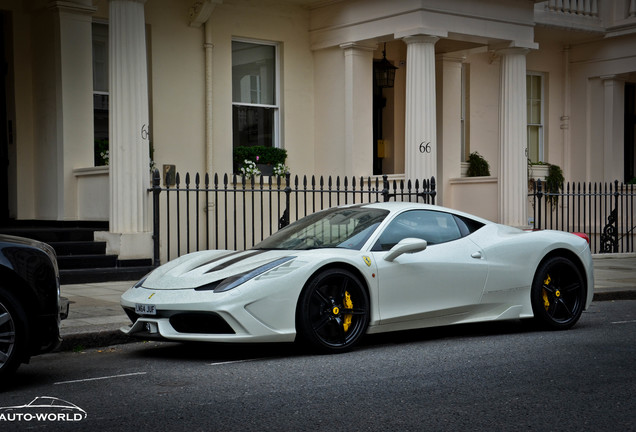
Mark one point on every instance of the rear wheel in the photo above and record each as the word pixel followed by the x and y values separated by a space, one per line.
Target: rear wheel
pixel 13 334
pixel 558 293
pixel 333 311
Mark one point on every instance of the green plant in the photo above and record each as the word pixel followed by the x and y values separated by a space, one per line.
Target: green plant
pixel 260 154
pixel 554 183
pixel 477 165
pixel 632 181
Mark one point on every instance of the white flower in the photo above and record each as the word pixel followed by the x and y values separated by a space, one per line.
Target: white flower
pixel 249 169
pixel 280 170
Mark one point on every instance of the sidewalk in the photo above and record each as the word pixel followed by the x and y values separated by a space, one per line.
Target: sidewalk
pixel 96 316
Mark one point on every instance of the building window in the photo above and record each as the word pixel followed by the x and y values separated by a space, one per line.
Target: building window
pixel 255 100
pixel 534 93
pixel 100 92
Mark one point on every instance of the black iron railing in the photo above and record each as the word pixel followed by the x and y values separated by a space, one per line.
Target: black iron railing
pixel 232 212
pixel 604 211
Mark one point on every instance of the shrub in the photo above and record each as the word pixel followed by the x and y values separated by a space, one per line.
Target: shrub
pixel 477 165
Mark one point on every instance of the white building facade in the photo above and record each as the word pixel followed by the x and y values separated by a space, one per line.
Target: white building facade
pixel 186 81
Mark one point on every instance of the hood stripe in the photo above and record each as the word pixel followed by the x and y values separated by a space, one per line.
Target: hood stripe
pixel 228 263
pixel 218 259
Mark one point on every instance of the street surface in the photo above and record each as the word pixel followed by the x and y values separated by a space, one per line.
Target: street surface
pixel 495 377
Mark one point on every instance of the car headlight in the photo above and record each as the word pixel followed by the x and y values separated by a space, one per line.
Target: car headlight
pixel 239 279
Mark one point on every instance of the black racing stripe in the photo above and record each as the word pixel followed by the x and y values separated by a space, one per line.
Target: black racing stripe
pixel 217 259
pixel 226 264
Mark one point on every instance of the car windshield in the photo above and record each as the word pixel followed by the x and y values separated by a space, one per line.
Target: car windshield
pixel 347 228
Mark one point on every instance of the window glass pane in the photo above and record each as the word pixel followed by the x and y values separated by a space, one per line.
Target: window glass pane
pixel 253 126
pixel 100 93
pixel 253 73
pixel 433 226
pixel 533 143
pixel 100 57
pixel 100 106
pixel 534 112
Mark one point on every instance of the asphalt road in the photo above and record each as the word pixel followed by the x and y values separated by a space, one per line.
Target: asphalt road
pixel 499 376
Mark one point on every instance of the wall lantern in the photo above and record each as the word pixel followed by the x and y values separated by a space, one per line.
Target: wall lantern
pixel 384 71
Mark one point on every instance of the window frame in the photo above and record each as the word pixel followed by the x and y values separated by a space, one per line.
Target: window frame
pixel 541 124
pixel 276 140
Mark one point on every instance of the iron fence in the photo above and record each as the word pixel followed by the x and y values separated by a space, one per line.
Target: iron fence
pixel 604 211
pixel 233 212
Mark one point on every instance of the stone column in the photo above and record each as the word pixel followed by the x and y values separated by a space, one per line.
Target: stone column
pixel 130 236
pixel 420 135
pixel 513 138
pixel 358 100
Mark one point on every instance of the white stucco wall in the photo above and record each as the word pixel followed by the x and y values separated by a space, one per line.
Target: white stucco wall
pixel 177 87
pixel 287 25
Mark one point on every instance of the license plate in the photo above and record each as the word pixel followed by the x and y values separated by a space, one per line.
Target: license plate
pixel 145 309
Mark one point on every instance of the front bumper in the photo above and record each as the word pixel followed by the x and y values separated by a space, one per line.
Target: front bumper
pixel 240 315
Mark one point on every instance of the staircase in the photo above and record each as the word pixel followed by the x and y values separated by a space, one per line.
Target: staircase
pixel 80 258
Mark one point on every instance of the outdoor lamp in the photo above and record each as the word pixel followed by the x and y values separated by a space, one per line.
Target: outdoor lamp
pixel 384 71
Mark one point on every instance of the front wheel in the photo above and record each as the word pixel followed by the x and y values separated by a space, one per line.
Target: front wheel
pixel 13 334
pixel 558 293
pixel 333 311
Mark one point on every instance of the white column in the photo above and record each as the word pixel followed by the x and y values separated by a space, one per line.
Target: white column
pixel 420 135
pixel 129 137
pixel 513 138
pixel 73 110
pixel 450 123
pixel 613 128
pixel 358 100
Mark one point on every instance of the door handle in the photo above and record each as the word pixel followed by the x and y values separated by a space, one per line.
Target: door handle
pixel 476 255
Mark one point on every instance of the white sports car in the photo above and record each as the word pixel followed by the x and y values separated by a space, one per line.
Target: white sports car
pixel 335 275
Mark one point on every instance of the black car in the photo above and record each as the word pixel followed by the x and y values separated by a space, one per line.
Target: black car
pixel 30 305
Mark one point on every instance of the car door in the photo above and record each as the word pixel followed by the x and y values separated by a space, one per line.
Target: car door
pixel 445 278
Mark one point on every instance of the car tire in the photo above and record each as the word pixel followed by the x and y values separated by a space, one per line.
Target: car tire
pixel 333 311
pixel 558 293
pixel 13 334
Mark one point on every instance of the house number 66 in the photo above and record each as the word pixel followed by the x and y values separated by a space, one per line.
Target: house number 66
pixel 425 147
pixel 144 132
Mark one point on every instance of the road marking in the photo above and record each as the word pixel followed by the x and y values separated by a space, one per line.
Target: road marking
pixel 100 378
pixel 624 322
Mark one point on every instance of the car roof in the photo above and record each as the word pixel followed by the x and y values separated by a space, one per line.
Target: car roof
pixel 399 207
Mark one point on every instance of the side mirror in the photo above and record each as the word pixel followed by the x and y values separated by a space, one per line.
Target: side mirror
pixel 407 245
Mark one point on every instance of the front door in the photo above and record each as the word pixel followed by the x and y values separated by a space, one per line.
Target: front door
pixel 447 276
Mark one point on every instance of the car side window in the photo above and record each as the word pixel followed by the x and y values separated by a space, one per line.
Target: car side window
pixel 433 226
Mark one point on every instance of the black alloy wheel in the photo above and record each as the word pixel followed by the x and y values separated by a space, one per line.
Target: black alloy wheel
pixel 558 293
pixel 333 311
pixel 13 331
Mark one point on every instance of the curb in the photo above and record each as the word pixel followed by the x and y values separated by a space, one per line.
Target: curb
pixel 93 339
pixel 615 295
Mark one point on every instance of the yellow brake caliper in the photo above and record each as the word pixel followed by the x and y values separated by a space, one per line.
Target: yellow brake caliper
pixel 546 302
pixel 348 304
